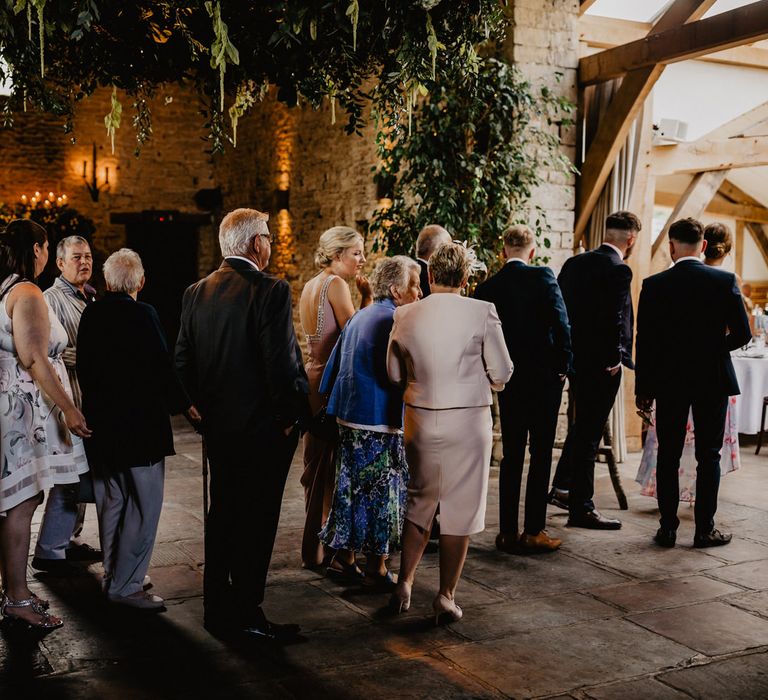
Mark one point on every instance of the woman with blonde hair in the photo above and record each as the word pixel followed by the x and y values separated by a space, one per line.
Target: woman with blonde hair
pixel 324 309
pixel 448 352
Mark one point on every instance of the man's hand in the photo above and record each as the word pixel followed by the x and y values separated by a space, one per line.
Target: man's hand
pixel 643 404
pixel 194 417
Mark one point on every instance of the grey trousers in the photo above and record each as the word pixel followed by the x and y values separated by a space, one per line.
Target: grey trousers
pixel 62 522
pixel 128 504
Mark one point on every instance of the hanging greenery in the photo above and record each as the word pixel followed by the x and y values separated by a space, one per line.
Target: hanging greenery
pixel 361 51
pixel 480 144
pixel 113 119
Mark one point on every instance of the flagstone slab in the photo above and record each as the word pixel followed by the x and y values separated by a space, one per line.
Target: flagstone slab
pixel 739 678
pixel 754 602
pixel 650 595
pixel 711 628
pixel 753 574
pixel 560 659
pixel 642 689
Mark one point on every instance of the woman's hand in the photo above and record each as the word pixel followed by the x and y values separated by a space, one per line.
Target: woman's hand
pixel 76 423
pixel 364 287
pixel 193 415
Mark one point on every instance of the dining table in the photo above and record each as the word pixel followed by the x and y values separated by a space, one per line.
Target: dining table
pixel 751 369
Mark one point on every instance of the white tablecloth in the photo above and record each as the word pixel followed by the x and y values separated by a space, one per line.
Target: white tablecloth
pixel 752 374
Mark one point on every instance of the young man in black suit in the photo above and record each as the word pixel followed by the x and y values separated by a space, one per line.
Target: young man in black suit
pixel 237 355
pixel 537 333
pixel 689 319
pixel 430 238
pixel 596 288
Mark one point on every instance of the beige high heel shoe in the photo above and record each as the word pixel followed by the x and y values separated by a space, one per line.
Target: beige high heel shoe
pixel 400 600
pixel 446 610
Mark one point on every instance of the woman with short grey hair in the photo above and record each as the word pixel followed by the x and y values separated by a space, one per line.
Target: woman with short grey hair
pixel 371 470
pixel 129 390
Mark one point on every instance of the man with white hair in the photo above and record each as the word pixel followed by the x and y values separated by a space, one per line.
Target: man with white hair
pixel 431 237
pixel 129 391
pixel 238 357
pixel 58 543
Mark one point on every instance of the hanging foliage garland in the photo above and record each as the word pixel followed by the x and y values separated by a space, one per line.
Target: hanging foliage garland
pixel 336 49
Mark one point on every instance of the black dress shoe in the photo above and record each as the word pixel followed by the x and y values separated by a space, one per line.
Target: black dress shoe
pixel 593 520
pixel 711 539
pixel 59 567
pixel 665 538
pixel 558 498
pixel 509 543
pixel 271 632
pixel 84 552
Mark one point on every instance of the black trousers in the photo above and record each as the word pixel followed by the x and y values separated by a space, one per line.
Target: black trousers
pixel 248 474
pixel 594 392
pixel 528 408
pixel 709 427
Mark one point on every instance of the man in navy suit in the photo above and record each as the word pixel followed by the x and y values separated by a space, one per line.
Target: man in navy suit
pixel 689 319
pixel 596 289
pixel 430 238
pixel 537 334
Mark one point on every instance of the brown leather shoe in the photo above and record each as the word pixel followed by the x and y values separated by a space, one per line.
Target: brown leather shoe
pixel 508 543
pixel 540 542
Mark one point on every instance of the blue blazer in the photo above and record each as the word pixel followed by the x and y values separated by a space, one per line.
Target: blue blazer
pixel 356 372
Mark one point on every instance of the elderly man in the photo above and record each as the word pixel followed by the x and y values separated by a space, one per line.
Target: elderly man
pixel 238 357
pixel 538 336
pixel 58 542
pixel 430 238
pixel 129 390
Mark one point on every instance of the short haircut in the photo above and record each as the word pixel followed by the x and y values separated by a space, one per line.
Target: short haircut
pixel 392 272
pixel 333 243
pixel 719 241
pixel 519 237
pixel 123 271
pixel 689 231
pixel 450 265
pixel 64 243
pixel 623 221
pixel 17 248
pixel 238 229
pixel 430 237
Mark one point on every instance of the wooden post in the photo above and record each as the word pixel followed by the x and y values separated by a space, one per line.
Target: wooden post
pixel 738 244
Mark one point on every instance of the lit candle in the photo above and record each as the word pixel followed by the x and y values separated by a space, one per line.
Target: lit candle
pixel 37 195
pixel 24 198
pixel 64 197
pixel 50 196
pixel 34 201
pixel 106 175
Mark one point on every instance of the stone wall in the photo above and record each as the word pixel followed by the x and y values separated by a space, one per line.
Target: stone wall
pixel 38 156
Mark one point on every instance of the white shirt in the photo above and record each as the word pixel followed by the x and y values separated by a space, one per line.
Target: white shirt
pixel 520 260
pixel 618 251
pixel 240 257
pixel 688 257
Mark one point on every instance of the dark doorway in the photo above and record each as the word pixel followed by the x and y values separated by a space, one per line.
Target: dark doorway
pixel 168 249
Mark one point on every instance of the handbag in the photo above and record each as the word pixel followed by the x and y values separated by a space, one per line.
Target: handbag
pixel 324 426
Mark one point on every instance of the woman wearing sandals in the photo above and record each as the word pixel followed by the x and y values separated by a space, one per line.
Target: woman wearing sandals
pixel 449 352
pixel 37 415
pixel 324 309
pixel 371 469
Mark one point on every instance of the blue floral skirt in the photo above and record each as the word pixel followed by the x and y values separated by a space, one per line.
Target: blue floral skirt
pixel 370 492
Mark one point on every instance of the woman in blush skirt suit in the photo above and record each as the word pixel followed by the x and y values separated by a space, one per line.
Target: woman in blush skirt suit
pixel 449 353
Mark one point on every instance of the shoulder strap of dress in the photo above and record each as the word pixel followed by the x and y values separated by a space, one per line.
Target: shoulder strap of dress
pixel 321 305
pixel 9 283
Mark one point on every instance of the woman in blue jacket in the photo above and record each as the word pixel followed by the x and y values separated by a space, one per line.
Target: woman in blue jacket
pixel 371 470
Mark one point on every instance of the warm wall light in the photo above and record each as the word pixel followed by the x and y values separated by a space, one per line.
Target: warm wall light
pixel 93 187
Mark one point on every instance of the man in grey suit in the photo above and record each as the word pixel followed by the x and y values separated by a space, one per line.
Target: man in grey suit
pixel 58 543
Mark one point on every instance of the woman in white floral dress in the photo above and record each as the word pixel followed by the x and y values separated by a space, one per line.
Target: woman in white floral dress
pixel 40 427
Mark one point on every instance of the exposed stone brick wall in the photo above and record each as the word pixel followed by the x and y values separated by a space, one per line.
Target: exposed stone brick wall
pixel 38 155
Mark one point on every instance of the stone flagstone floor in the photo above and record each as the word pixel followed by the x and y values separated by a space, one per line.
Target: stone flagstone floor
pixel 607 617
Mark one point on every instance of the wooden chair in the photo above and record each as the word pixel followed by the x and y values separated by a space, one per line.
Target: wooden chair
pixel 762 426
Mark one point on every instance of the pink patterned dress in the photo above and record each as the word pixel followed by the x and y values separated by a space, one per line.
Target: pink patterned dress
pixel 730 459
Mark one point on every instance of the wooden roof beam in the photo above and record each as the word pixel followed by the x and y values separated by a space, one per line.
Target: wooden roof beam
pixel 667 45
pixel 608 32
pixel 584 5
pixel 719 207
pixel 707 155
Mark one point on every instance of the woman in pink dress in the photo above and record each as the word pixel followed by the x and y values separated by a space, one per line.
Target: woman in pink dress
pixel 719 243
pixel 324 309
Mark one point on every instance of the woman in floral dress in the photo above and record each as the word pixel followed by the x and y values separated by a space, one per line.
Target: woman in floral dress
pixel 37 415
pixel 371 471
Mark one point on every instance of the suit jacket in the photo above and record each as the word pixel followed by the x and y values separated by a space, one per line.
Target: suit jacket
pixel 596 289
pixel 128 383
pixel 237 354
pixel 424 278
pixel 449 351
pixel 689 319
pixel 533 317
